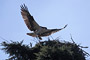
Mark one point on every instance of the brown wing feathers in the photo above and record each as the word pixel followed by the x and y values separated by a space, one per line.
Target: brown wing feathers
pixel 29 20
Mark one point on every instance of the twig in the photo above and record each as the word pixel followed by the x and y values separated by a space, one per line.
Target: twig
pixel 4 39
pixel 72 39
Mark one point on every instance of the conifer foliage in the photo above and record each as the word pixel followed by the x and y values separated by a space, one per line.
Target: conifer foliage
pixel 46 50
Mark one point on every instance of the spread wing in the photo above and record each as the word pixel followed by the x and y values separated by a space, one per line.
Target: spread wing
pixel 51 31
pixel 56 30
pixel 28 19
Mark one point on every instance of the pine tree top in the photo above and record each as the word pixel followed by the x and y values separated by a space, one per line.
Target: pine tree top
pixel 46 50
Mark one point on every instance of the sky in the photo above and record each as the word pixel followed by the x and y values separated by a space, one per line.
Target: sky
pixel 48 13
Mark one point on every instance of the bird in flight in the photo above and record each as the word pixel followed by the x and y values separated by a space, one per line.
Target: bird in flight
pixel 38 31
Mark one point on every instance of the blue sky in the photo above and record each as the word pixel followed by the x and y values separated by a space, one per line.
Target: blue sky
pixel 48 13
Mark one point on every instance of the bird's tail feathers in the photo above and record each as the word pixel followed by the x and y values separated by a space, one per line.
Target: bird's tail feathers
pixel 32 34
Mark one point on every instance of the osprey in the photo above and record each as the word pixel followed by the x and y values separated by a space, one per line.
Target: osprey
pixel 38 31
